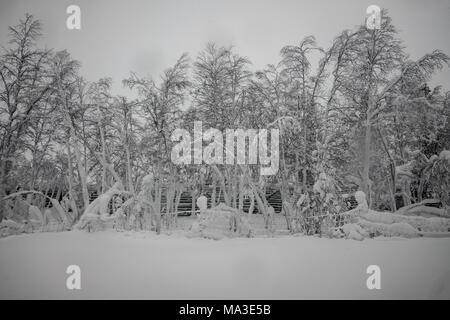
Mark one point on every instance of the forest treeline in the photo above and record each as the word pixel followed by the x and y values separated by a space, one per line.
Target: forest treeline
pixel 361 117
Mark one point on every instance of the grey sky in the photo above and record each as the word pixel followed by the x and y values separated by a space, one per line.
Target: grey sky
pixel 148 36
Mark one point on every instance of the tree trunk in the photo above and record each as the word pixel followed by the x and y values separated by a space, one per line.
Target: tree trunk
pixel 366 162
pixel 81 174
pixel 392 179
pixel 70 181
pixel 193 195
pixel 241 194
pixel 213 195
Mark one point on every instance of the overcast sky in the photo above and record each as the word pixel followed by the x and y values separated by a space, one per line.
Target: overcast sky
pixel 117 37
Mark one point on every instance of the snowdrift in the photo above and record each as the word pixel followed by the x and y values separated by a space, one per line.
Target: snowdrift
pixel 363 222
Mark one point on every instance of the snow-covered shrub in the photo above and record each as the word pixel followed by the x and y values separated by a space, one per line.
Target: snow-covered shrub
pixel 354 231
pixel 97 215
pixel 10 227
pixel 35 218
pixel 398 229
pixel 146 213
pixel 221 221
pixel 28 217
pixel 392 224
pixel 440 178
pixel 319 209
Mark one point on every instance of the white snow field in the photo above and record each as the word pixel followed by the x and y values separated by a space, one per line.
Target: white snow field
pixel 142 265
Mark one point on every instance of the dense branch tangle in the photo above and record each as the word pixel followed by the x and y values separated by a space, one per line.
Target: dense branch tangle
pixel 356 115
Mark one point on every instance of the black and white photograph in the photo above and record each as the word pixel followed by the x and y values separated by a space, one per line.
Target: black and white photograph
pixel 224 150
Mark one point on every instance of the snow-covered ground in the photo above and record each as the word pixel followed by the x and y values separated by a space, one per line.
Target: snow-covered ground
pixel 142 265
